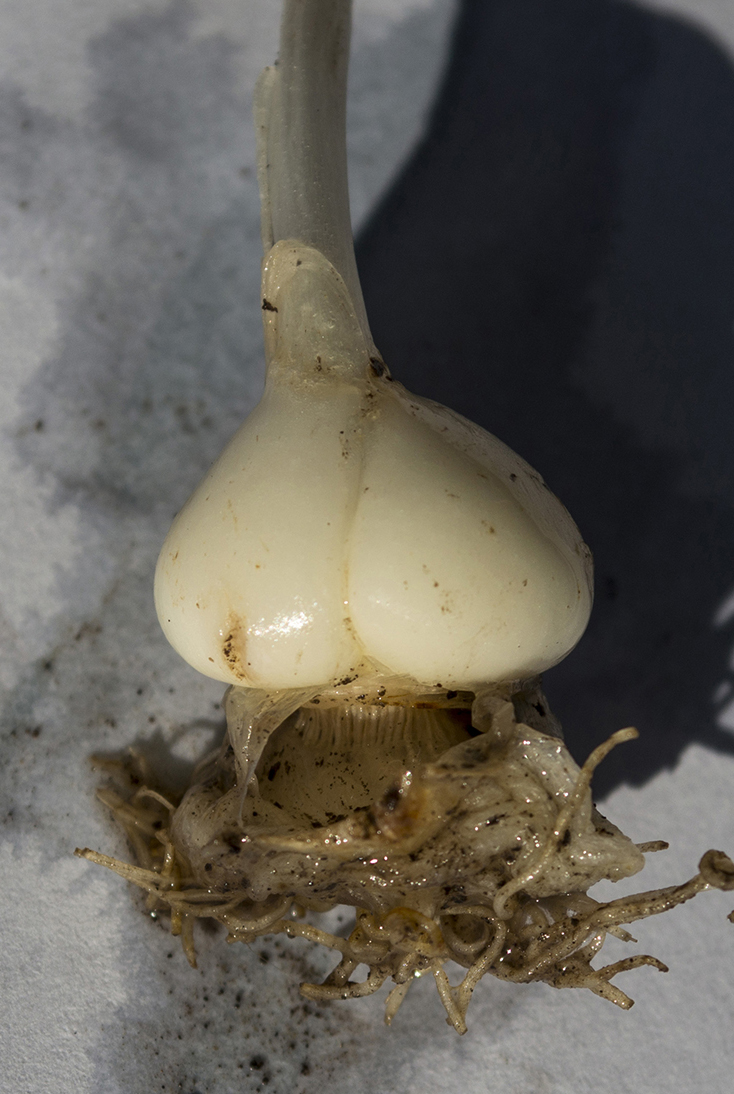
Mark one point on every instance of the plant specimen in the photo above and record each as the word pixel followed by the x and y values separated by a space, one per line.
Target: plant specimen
pixel 380 583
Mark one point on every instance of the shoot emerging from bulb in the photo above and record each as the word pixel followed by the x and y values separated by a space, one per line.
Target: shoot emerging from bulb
pixel 381 583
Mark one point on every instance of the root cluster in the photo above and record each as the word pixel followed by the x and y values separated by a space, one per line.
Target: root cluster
pixel 514 936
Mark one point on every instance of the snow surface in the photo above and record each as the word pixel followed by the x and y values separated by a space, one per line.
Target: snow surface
pixel 131 350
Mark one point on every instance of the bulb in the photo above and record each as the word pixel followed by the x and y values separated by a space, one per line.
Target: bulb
pixel 350 527
pixel 381 583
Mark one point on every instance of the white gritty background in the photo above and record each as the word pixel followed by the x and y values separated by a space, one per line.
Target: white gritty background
pixel 131 350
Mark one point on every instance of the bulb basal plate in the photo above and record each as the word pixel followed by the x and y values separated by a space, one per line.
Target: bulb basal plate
pixel 456 824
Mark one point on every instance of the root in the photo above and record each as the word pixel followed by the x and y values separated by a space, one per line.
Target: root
pixel 503 904
pixel 513 936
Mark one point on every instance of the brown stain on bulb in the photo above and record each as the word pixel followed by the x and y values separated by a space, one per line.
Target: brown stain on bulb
pixel 234 646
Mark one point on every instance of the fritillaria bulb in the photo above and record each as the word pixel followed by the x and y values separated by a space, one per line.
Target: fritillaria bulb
pixel 351 527
pixel 380 582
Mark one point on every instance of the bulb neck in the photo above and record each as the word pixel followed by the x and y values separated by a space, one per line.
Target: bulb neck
pixel 300 118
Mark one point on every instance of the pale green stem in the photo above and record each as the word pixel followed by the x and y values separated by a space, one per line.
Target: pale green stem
pixel 300 116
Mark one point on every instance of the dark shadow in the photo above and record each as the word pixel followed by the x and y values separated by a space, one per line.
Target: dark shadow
pixel 152 759
pixel 557 262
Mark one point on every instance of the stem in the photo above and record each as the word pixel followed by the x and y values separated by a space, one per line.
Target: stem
pixel 300 115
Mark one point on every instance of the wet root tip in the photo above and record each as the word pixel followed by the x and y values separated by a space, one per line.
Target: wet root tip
pixel 717 870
